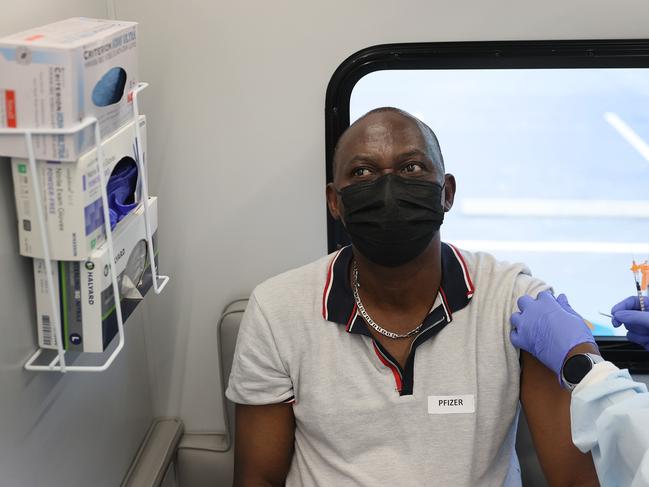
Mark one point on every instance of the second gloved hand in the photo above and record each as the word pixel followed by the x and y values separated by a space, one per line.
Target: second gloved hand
pixel 548 329
pixel 627 312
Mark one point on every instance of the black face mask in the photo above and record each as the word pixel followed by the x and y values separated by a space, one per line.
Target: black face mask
pixel 391 220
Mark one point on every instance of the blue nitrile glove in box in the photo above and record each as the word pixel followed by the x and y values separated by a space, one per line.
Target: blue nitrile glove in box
pixel 121 192
pixel 548 328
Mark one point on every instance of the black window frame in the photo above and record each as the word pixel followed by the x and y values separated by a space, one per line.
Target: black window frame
pixel 614 53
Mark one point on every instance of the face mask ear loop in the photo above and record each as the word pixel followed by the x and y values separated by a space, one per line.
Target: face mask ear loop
pixel 340 216
pixel 443 192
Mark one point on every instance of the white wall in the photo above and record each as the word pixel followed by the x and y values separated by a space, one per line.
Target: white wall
pixel 236 109
pixel 77 429
pixel 25 14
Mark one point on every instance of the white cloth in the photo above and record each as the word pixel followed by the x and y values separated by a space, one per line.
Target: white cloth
pixel 610 418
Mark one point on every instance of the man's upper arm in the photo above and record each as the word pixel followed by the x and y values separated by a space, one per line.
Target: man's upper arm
pixel 259 372
pixel 263 446
pixel 547 409
pixel 261 387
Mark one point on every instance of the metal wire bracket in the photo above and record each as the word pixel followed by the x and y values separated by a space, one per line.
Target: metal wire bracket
pixel 58 364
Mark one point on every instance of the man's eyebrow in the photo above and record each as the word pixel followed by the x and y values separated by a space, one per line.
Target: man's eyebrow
pixel 360 158
pixel 414 152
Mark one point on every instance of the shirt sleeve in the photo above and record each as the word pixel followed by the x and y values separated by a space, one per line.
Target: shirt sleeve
pixel 258 376
pixel 526 284
pixel 609 414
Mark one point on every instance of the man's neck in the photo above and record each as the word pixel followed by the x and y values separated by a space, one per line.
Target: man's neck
pixel 405 286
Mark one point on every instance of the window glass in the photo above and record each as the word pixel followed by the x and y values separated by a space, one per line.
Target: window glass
pixel 552 168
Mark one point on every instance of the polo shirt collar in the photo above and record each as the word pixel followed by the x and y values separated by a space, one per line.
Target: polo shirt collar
pixel 338 304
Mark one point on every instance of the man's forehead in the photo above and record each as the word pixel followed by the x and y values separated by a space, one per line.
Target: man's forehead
pixel 389 132
pixel 383 129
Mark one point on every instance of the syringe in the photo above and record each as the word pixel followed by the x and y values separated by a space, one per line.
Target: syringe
pixel 634 269
pixel 640 296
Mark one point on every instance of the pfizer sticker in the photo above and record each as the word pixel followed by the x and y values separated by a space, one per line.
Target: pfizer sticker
pixel 451 404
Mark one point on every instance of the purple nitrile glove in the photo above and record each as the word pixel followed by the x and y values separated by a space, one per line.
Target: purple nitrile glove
pixel 121 191
pixel 627 312
pixel 562 299
pixel 548 328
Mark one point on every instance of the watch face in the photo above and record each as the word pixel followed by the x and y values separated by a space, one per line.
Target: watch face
pixel 576 368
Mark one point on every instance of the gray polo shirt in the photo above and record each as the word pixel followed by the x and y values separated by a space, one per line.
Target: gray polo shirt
pixel 447 418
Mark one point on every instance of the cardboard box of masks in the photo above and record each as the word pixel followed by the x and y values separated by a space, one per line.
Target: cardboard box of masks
pixel 56 75
pixel 84 291
pixel 71 195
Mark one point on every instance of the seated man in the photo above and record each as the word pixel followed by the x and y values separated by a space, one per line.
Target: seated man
pixel 389 362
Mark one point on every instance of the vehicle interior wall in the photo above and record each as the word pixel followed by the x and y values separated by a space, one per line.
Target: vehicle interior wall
pixel 77 428
pixel 236 112
pixel 236 155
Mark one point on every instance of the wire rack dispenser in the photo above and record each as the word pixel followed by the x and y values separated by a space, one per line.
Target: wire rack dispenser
pixel 58 364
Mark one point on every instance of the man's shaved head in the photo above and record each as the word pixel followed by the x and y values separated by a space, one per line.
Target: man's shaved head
pixel 374 116
pixel 387 141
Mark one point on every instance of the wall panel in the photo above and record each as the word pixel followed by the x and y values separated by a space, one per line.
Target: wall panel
pixel 74 429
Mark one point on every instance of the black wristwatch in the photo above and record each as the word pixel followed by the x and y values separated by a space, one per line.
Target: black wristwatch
pixel 576 367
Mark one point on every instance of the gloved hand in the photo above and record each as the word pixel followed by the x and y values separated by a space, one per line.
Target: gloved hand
pixel 627 312
pixel 562 299
pixel 548 328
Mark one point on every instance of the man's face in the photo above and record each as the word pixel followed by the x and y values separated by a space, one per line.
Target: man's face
pixel 383 143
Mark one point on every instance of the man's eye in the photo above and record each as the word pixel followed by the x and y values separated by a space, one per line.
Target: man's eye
pixel 360 171
pixel 412 167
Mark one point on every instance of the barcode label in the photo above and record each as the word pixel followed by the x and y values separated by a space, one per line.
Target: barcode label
pixel 46 331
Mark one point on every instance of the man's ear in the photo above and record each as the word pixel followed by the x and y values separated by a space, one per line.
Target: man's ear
pixel 449 192
pixel 332 201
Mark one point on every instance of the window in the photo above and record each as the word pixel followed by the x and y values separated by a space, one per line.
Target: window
pixel 549 143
